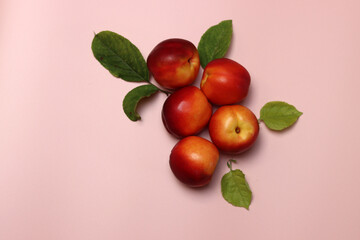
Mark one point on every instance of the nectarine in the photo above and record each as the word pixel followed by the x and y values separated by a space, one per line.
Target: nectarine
pixel 225 81
pixel 174 63
pixel 193 161
pixel 186 112
pixel 233 128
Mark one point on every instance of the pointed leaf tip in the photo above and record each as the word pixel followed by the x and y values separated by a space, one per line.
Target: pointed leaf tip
pixel 215 42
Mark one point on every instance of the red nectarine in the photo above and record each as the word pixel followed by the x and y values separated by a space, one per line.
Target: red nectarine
pixel 233 128
pixel 186 112
pixel 225 81
pixel 193 161
pixel 174 63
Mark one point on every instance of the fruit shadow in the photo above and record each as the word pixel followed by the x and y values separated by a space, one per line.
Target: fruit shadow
pixel 249 99
pixel 209 188
pixel 198 78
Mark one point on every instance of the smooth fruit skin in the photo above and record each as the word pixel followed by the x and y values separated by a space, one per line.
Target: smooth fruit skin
pixel 225 82
pixel 233 128
pixel 174 63
pixel 186 112
pixel 193 161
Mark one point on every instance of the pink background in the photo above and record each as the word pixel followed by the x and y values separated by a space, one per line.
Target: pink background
pixel 72 166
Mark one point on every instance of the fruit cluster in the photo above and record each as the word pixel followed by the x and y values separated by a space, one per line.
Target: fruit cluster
pixel 174 64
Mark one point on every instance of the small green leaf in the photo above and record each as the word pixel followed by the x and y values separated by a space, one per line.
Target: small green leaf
pixel 235 188
pixel 279 115
pixel 133 97
pixel 215 42
pixel 118 55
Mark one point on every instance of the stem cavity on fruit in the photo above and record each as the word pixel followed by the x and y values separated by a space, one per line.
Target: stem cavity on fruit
pixel 237 130
pixel 189 60
pixel 193 61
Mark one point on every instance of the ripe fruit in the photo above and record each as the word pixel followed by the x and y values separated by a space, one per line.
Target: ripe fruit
pixel 193 161
pixel 174 63
pixel 186 112
pixel 233 128
pixel 225 81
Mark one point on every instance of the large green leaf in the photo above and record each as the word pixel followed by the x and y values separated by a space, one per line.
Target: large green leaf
pixel 215 42
pixel 235 188
pixel 279 115
pixel 133 97
pixel 118 55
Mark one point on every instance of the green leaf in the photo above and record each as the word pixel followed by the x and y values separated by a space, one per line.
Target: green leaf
pixel 235 188
pixel 118 55
pixel 133 97
pixel 215 42
pixel 279 115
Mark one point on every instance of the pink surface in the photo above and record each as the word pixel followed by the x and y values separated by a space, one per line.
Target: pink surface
pixel 72 166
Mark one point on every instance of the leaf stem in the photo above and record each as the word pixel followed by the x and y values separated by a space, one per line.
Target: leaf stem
pixel 161 90
pixel 229 163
